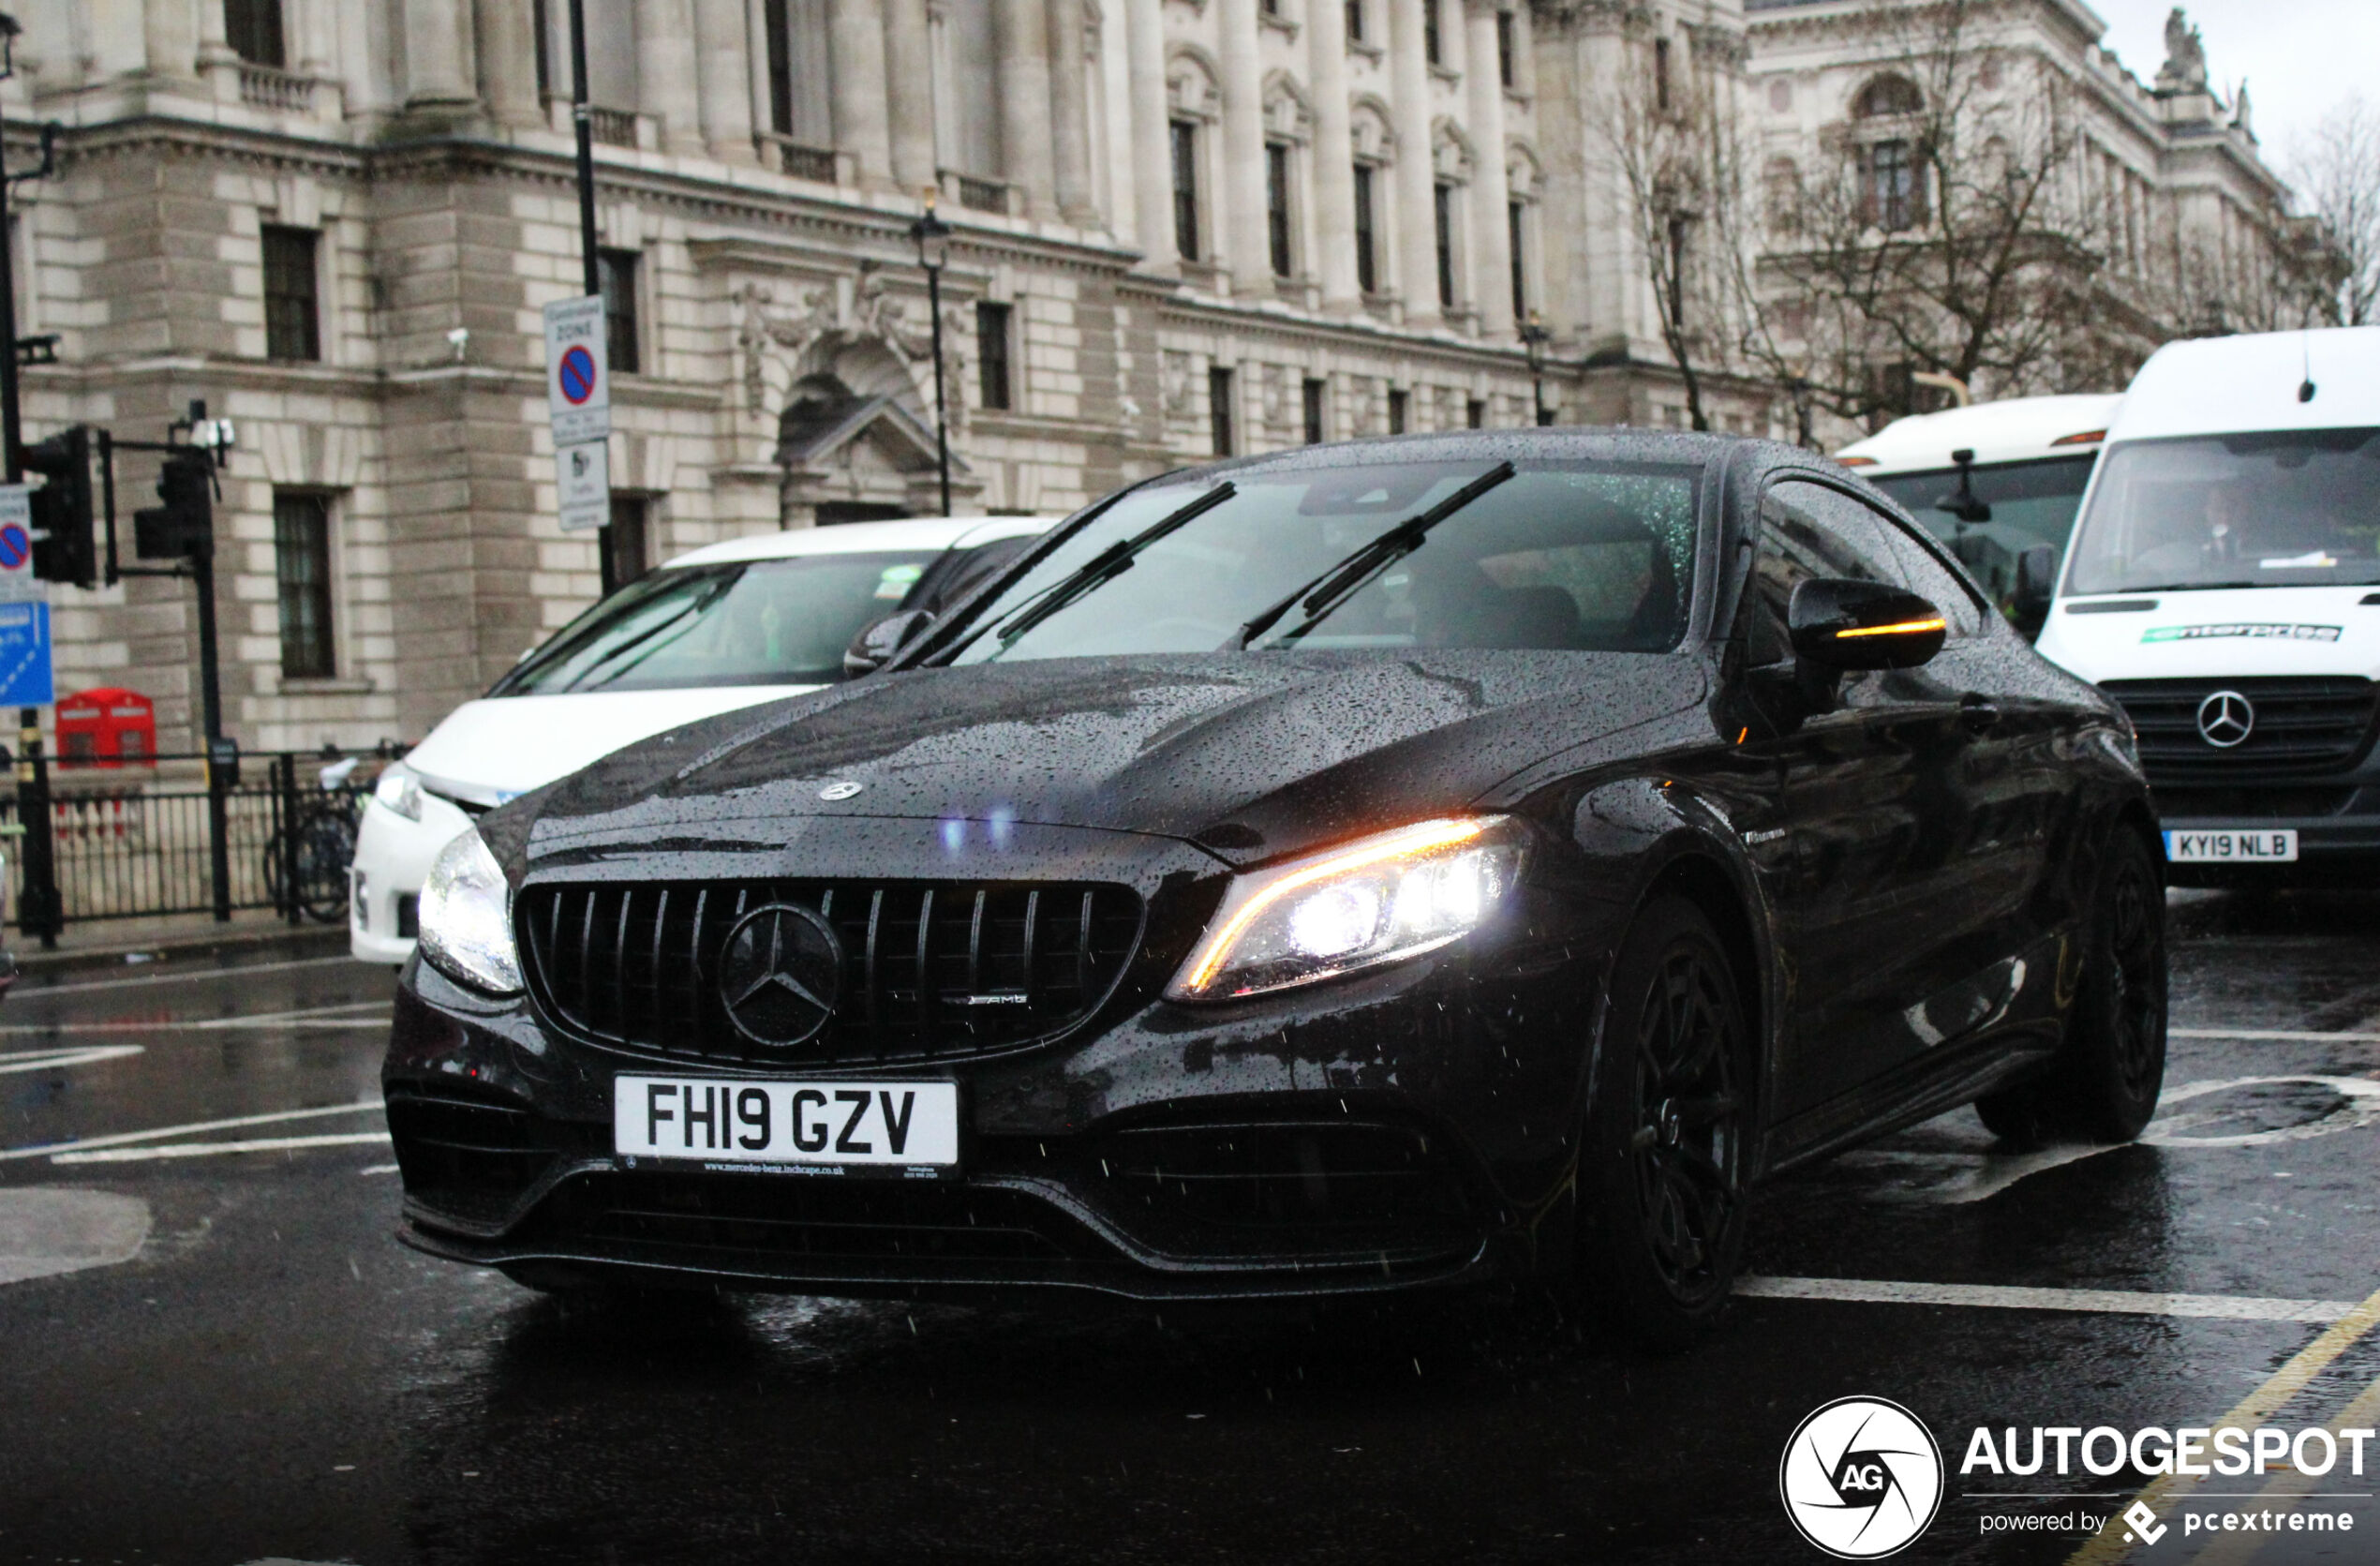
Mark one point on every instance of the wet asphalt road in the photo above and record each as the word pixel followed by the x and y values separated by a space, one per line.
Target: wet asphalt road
pixel 252 1368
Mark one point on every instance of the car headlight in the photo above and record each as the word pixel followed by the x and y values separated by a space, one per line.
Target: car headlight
pixel 467 918
pixel 400 790
pixel 1386 897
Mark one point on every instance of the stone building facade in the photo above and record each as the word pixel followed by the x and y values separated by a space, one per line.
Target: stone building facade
pixel 1182 227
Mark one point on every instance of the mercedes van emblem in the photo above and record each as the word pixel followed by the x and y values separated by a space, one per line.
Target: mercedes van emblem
pixel 779 973
pixel 842 790
pixel 2225 719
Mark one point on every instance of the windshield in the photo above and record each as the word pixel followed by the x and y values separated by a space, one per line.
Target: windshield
pixel 1587 557
pixel 756 622
pixel 2031 502
pixel 2284 508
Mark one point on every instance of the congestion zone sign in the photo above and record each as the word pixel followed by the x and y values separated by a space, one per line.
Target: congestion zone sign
pixel 578 378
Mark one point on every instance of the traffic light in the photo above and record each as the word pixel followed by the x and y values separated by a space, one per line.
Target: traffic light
pixel 184 527
pixel 63 546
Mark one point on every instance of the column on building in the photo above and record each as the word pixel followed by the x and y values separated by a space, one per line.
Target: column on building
pixel 1070 103
pixel 1240 155
pixel 312 24
pixel 172 46
pixel 665 88
pixel 724 72
pixel 1417 235
pixel 215 42
pixel 909 59
pixel 856 101
pixel 1491 198
pixel 1333 177
pixel 1021 28
pixel 508 61
pixel 437 52
pixel 1152 167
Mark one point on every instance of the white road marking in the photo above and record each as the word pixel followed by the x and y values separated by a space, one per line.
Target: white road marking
pixel 44 1060
pixel 209 1149
pixel 162 1133
pixel 2222 1307
pixel 315 1017
pixel 27 992
pixel 2361 1107
pixel 2276 1035
pixel 46 1231
pixel 378 1169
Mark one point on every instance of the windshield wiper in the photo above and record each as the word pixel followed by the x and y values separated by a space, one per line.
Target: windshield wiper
pixel 1102 567
pixel 1342 581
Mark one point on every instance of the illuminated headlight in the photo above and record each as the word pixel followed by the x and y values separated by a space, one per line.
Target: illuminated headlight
pixel 467 918
pixel 400 790
pixel 1381 900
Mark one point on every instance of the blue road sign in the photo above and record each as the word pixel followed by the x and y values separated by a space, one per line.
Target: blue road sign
pixel 24 655
pixel 16 545
pixel 578 374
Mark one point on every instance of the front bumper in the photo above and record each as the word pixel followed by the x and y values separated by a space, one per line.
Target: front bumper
pixel 393 858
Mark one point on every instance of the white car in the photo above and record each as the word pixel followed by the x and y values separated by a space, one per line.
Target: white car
pixel 733 625
pixel 2222 586
pixel 2027 461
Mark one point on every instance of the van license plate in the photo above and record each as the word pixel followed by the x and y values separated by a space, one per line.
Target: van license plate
pixel 2279 847
pixel 879 1127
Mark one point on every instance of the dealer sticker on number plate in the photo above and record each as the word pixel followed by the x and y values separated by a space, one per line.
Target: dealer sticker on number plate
pixel 2232 847
pixel 792 1128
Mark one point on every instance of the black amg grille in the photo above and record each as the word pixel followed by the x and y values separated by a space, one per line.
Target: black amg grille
pixel 2304 725
pixel 932 970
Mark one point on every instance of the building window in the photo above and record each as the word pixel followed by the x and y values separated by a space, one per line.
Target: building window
pixel 991 354
pixel 1516 220
pixel 1269 8
pixel 302 575
pixel 618 271
pixel 292 304
pixel 1433 46
pixel 1219 408
pixel 1276 207
pixel 622 544
pixel 1185 189
pixel 780 65
pixel 1367 248
pixel 1442 214
pixel 1662 74
pixel 1400 403
pixel 1316 392
pixel 540 22
pixel 1504 71
pixel 1475 413
pixel 1891 189
pixel 1355 21
pixel 253 29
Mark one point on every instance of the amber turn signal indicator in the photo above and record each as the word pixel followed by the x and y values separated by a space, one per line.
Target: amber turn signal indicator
pixel 1904 628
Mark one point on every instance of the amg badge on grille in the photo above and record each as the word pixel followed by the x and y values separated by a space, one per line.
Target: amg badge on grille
pixel 781 973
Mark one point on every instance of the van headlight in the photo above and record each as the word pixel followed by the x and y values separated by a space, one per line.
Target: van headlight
pixel 467 918
pixel 400 789
pixel 1380 900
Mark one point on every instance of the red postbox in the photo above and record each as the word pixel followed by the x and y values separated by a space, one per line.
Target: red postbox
pixel 106 727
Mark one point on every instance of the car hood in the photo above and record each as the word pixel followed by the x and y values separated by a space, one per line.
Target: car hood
pixel 488 751
pixel 2224 633
pixel 1250 755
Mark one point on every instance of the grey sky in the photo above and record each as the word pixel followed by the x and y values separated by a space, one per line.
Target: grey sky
pixel 2300 56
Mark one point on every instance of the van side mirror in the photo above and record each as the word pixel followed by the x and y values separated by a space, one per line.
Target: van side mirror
pixel 1839 624
pixel 875 645
pixel 2037 581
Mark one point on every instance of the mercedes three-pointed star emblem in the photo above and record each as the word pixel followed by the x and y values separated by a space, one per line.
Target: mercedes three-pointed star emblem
pixel 2225 719
pixel 781 973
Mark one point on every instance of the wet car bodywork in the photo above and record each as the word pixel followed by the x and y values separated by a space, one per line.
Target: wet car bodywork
pixel 1898 869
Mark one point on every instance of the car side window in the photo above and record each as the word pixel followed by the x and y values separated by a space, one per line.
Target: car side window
pixel 1808 530
pixel 1930 579
pixel 1888 552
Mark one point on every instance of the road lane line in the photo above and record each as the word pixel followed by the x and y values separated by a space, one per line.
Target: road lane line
pixel 120 1139
pixel 2290 1487
pixel 290 1023
pixel 2112 1543
pixel 28 992
pixel 43 1060
pixel 2276 1035
pixel 2113 1302
pixel 209 1149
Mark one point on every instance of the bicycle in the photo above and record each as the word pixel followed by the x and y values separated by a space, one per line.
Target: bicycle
pixel 324 834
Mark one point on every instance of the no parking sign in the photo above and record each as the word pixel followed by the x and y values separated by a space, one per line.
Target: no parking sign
pixel 17 584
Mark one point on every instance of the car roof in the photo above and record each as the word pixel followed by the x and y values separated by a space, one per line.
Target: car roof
pixel 2015 429
pixel 863 538
pixel 2218 385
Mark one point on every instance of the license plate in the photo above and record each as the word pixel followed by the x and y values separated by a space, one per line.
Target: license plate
pixel 2279 847
pixel 799 1128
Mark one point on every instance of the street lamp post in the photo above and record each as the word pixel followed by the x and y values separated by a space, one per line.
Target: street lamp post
pixel 1534 336
pixel 934 248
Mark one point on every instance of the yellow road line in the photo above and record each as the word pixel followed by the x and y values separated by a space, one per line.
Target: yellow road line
pixel 2231 1549
pixel 2112 1543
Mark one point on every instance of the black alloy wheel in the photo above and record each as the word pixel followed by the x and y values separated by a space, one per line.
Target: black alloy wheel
pixel 2104 1083
pixel 1662 1172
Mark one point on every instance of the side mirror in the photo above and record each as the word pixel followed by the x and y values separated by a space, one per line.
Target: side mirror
pixel 1837 623
pixel 875 645
pixel 2037 581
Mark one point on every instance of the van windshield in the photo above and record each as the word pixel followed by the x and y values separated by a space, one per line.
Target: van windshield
pixel 2031 502
pixel 759 622
pixel 2274 508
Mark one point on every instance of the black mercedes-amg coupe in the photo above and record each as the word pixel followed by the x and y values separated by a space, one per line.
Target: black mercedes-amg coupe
pixel 1369 867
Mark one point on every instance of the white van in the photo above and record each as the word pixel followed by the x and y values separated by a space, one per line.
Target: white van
pixel 1997 482
pixel 733 625
pixel 2224 585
